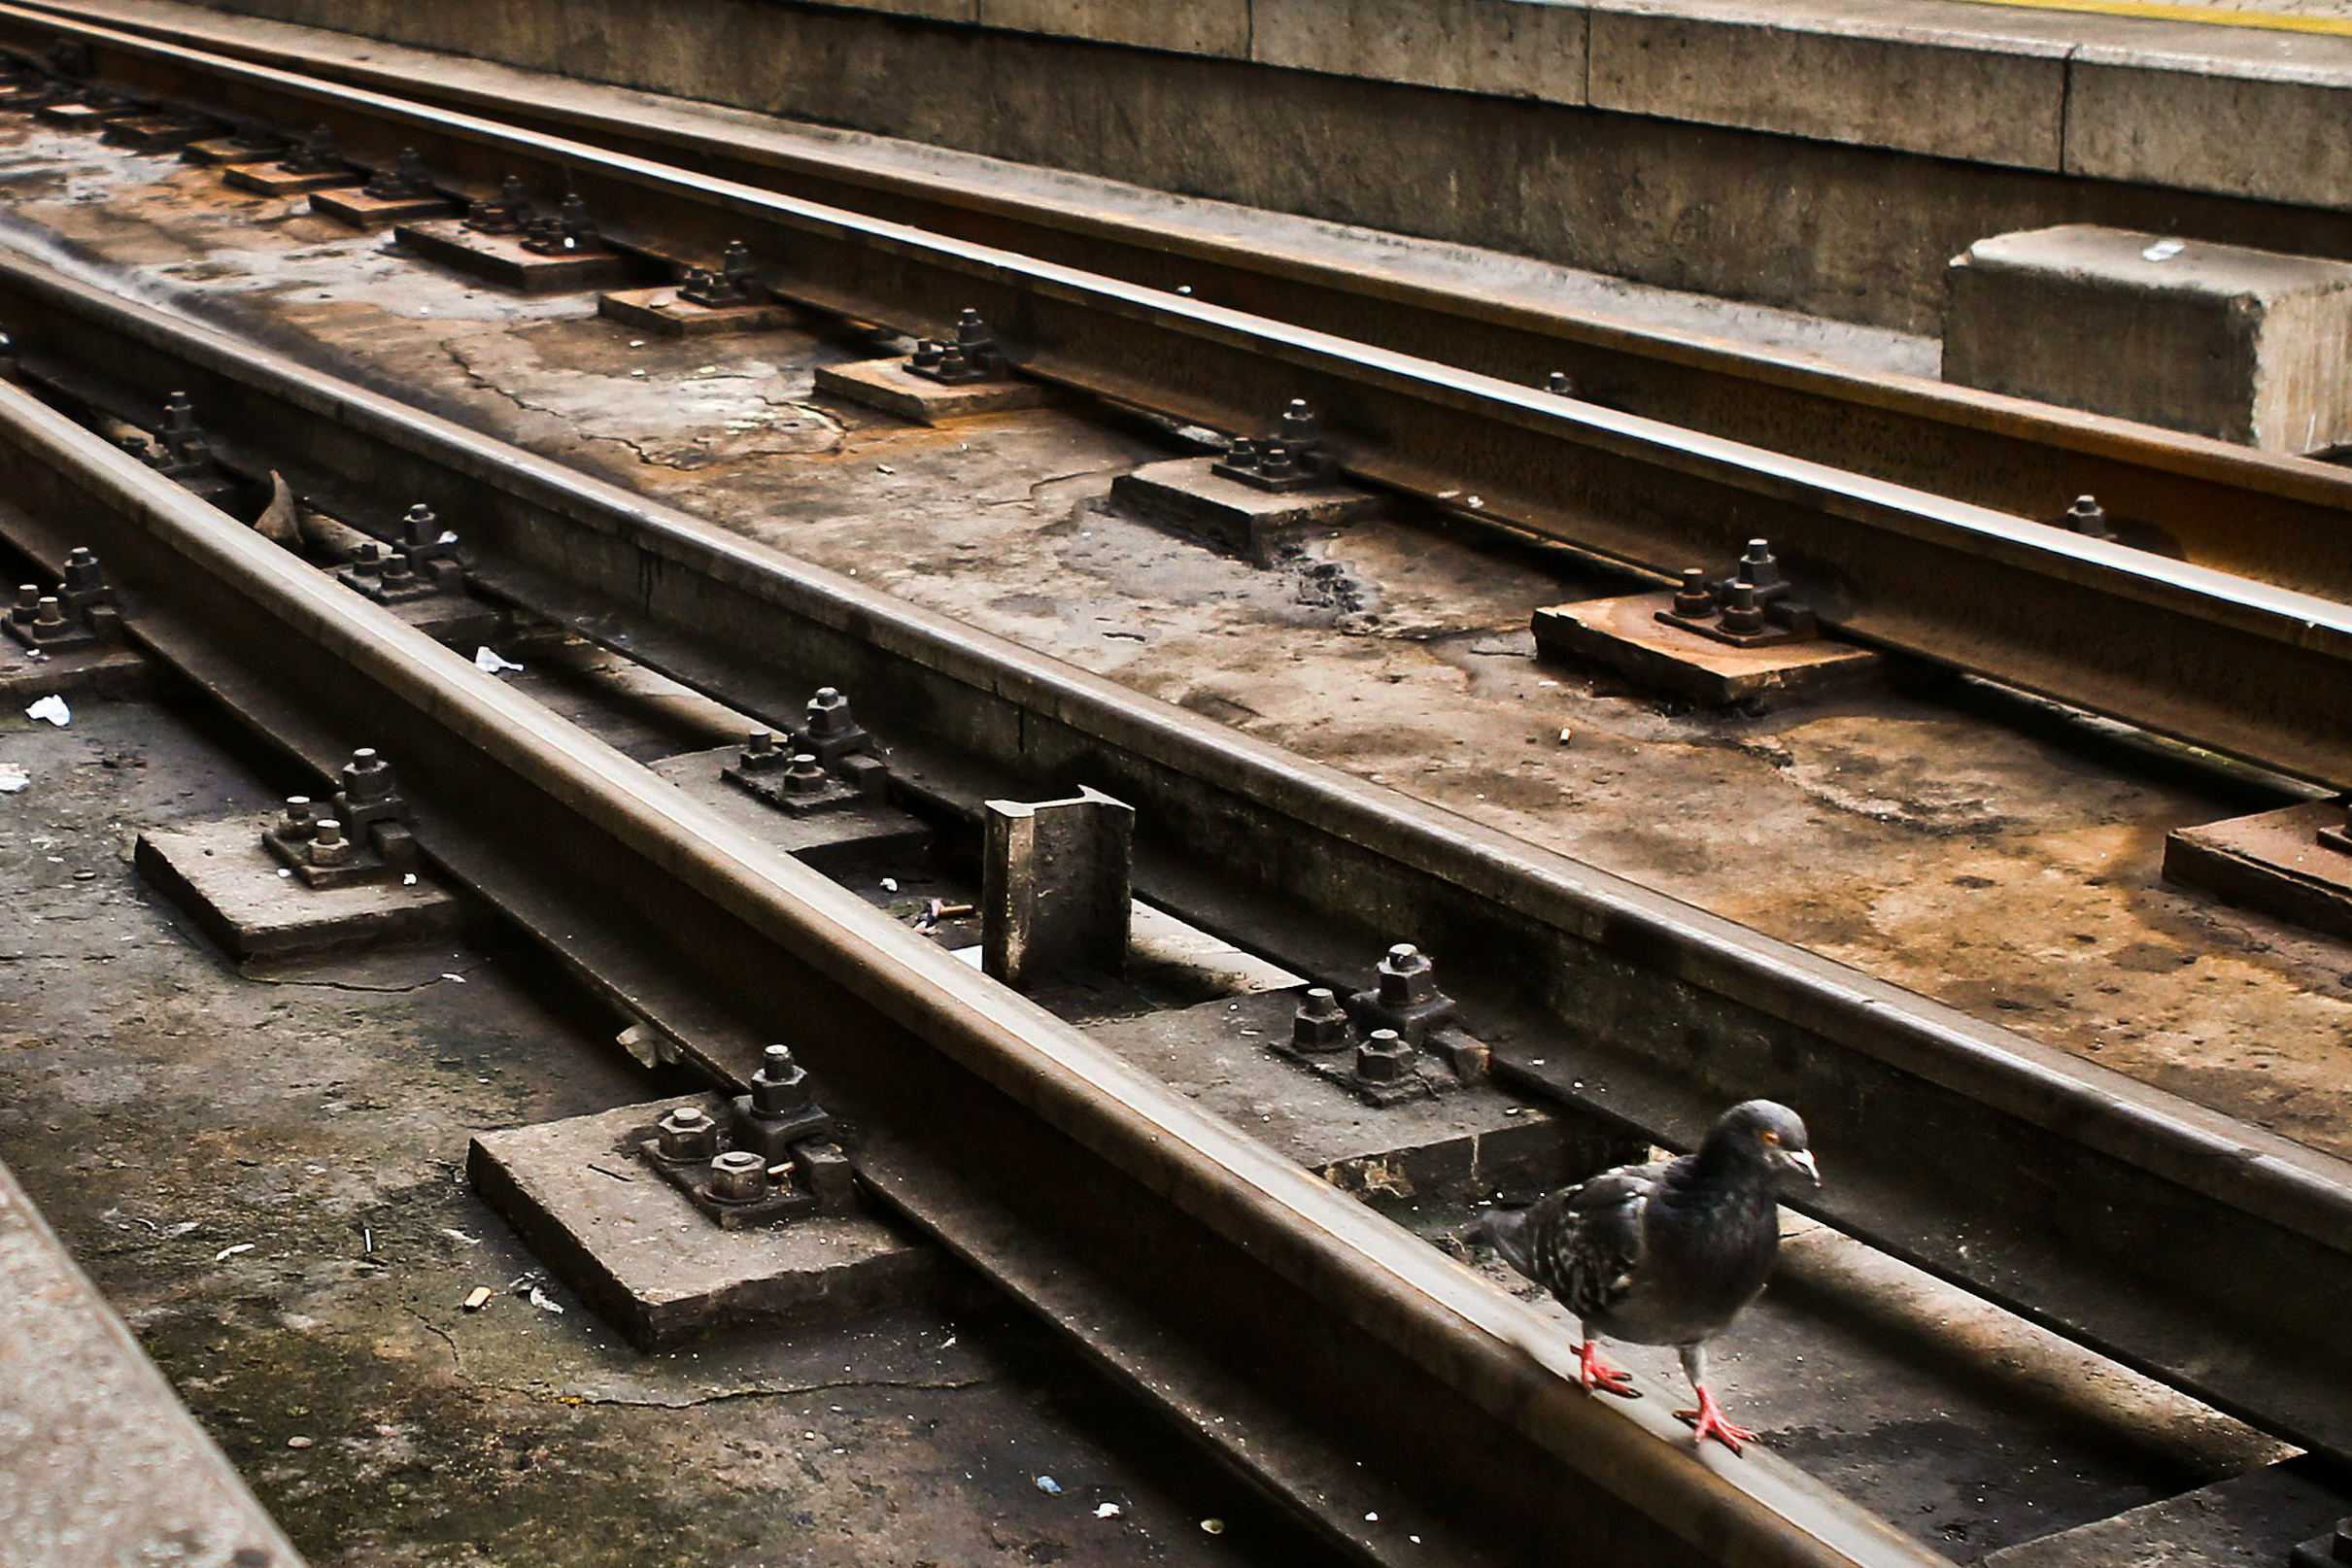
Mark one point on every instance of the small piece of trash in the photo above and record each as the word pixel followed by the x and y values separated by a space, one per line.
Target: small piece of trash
pixel 447 974
pixel 461 1236
pixel 227 1252
pixel 1107 1510
pixel 636 372
pixel 1186 288
pixel 1372 1518
pixel 53 708
pixel 884 468
pixel 488 662
pixel 544 1301
pixel 1213 1526
pixel 477 1298
pixel 297 1443
pixel 2163 251
pixel 13 778
pixel 1049 1487
pixel 285 872
pixel 890 884
pixel 408 879
pixel 1474 500
pixel 636 343
pixel 1567 737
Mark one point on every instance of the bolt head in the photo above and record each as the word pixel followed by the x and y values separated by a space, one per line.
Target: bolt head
pixel 1382 1058
pixel 688 1133
pixel 739 1176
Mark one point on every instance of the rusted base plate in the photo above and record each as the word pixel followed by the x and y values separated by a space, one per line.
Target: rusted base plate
pixel 355 206
pixel 863 832
pixel 267 179
pixel 1462 1146
pixel 464 624
pixel 100 670
pixel 2273 862
pixel 1252 522
pixel 1625 634
pixel 637 1250
pixel 152 133
pixel 661 310
pixel 887 384
pixel 245 900
pixel 500 259
pixel 227 151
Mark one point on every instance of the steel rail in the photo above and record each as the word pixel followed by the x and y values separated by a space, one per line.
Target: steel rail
pixel 2050 1186
pixel 891 1019
pixel 2274 519
pixel 2239 667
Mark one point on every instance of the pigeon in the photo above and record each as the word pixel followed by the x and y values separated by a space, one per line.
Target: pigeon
pixel 1665 1253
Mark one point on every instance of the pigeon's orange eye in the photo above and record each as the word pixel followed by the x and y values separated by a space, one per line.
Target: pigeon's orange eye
pixel 1769 1136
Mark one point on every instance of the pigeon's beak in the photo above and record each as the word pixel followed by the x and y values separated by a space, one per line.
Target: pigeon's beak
pixel 1801 1159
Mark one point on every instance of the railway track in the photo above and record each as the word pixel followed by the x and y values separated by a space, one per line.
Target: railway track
pixel 2237 664
pixel 1588 980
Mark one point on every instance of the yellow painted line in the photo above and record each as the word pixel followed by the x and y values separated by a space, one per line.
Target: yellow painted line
pixel 2209 15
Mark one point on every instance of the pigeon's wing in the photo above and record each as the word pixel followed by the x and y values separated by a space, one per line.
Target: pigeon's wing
pixel 1586 1243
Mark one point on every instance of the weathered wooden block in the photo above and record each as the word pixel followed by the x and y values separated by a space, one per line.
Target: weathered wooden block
pixel 1258 525
pixel 889 386
pixel 2275 862
pixel 502 260
pixel 1626 635
pixel 665 312
pixel 245 900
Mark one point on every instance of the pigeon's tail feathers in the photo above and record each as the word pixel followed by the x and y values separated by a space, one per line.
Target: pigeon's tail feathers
pixel 1506 1231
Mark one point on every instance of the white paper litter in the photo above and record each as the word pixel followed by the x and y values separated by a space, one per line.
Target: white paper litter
pixel 13 778
pixel 544 1301
pixel 488 662
pixel 1107 1510
pixel 2163 251
pixel 53 708
pixel 227 1252
pixel 1049 1487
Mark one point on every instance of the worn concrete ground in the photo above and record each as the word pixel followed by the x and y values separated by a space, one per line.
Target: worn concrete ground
pixel 2006 874
pixel 265 1177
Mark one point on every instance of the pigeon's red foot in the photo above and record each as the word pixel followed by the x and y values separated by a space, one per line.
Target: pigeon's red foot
pixel 1707 1421
pixel 1594 1373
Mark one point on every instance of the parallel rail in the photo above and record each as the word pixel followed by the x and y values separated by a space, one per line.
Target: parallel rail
pixel 2274 519
pixel 2038 1180
pixel 985 1116
pixel 2241 667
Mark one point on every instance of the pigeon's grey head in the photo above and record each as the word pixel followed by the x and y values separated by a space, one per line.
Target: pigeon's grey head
pixel 1767 1129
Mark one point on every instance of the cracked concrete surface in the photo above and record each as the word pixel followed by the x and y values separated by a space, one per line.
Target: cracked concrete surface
pixel 2010 874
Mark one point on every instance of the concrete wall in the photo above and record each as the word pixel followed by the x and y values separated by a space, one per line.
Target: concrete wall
pixel 1827 161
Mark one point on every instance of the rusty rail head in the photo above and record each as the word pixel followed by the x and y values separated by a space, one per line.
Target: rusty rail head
pixel 461 733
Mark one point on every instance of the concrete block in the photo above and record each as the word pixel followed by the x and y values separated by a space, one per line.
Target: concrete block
pixel 99 669
pixel 356 207
pixel 2243 345
pixel 1460 1146
pixel 863 831
pixel 268 180
pixel 2240 112
pixel 1814 70
pixel 2274 861
pixel 1187 26
pixel 1057 880
pixel 501 259
pixel 636 1250
pixel 663 311
pixel 1256 524
pixel 245 900
pixel 889 386
pixel 1516 48
pixel 1625 634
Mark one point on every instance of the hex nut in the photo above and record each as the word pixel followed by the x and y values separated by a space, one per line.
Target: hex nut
pixel 739 1176
pixel 1383 1057
pixel 688 1133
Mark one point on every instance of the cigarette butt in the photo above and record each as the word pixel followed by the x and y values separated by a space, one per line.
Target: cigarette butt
pixel 954 911
pixel 1567 737
pixel 479 1299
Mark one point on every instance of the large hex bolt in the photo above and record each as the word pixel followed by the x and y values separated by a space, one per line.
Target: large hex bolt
pixel 687 1133
pixel 328 846
pixel 828 715
pixel 48 618
pixel 759 754
pixel 82 571
pixel 780 1088
pixel 1743 616
pixel 806 775
pixel 2089 519
pixel 1759 566
pixel 1320 1024
pixel 1694 599
pixel 398 573
pixel 300 813
pixel 1407 977
pixel 27 605
pixel 367 778
pixel 367 559
pixel 739 1176
pixel 1383 1057
pixel 418 524
pixel 1559 384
